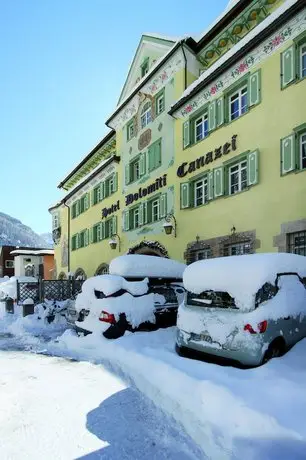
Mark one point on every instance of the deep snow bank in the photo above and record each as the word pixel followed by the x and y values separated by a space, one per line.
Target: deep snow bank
pixel 230 413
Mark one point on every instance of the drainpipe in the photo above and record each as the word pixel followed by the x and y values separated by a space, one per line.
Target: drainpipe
pixel 68 235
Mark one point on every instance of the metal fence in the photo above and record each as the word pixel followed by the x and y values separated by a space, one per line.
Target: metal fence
pixel 48 289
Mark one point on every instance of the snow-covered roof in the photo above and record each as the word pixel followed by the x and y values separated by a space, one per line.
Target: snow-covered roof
pixel 250 36
pixel 32 252
pixel 241 276
pixel 137 265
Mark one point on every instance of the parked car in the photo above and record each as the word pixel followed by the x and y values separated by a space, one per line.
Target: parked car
pixel 141 292
pixel 248 308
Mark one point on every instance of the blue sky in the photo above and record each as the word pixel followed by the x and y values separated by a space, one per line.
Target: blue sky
pixel 63 64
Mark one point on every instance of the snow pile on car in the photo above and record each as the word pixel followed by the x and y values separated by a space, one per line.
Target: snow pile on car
pixel 134 301
pixel 241 276
pixel 137 265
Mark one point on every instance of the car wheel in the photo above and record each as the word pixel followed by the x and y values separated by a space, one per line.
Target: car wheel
pixel 180 350
pixel 275 350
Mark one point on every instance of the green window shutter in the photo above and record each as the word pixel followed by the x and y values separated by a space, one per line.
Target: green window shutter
pixel 151 158
pixel 115 182
pixel 114 224
pixel 86 237
pixel 220 111
pixel 91 239
pixel 102 226
pixel 126 221
pixel 102 190
pixel 149 211
pixel 78 206
pixel 288 154
pixel 163 205
pixel 142 164
pixel 77 241
pixel 255 88
pixel 210 180
pixel 127 174
pixel 212 110
pixel 186 134
pixel 94 236
pixel 93 197
pixel 185 195
pixel 140 215
pixel 106 188
pixel 87 200
pixel 145 212
pixel 288 67
pixel 218 182
pixel 158 153
pixel 253 167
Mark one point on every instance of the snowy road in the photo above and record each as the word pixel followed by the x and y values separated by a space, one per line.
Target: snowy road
pixel 54 408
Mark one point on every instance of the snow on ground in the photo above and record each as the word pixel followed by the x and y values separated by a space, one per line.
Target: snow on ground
pixel 229 413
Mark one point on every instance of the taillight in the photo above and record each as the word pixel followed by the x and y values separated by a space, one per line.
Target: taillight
pixel 107 317
pixel 262 327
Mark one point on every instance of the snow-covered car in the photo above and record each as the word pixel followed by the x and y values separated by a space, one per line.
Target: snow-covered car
pixel 141 292
pixel 247 308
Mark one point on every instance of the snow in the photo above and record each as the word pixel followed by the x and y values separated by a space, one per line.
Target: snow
pixel 228 413
pixel 8 288
pixel 226 274
pixel 253 33
pixel 136 265
pixel 33 252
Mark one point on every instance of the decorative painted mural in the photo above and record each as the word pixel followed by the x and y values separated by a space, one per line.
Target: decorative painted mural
pixel 64 252
pixel 158 81
pixel 293 28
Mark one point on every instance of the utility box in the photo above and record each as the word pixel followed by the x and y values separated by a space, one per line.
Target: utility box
pixel 28 307
pixel 9 305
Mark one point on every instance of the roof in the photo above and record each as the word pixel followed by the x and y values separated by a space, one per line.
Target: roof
pixel 250 41
pixel 33 252
pixel 105 139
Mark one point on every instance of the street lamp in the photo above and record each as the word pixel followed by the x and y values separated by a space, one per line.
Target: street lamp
pixel 113 242
pixel 170 224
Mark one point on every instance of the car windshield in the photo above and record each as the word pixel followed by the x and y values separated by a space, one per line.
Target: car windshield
pixel 211 299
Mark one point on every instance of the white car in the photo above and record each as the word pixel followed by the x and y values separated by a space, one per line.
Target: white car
pixel 141 292
pixel 247 308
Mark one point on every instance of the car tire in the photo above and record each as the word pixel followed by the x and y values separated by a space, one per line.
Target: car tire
pixel 275 350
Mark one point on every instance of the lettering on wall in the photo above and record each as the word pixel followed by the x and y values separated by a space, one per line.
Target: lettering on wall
pixel 142 192
pixel 108 211
pixel 190 167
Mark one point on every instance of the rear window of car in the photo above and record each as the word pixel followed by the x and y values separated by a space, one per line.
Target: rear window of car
pixel 211 299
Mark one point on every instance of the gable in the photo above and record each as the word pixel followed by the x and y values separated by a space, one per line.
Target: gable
pixel 150 49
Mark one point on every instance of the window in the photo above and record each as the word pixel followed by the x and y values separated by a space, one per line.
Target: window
pixel 74 210
pixel 135 214
pixel 74 242
pixel 303 151
pixel 200 254
pixel 135 170
pixel 97 194
pixel 201 127
pixel 96 233
pixel 297 243
pixel 160 104
pixel 108 228
pixel 82 205
pixel 145 67
pixel 303 60
pixel 155 210
pixel 237 249
pixel 201 192
pixel 238 103
pixel 238 177
pixel 82 239
pixel 108 186
pixel 130 130
pixel 9 264
pixel 146 115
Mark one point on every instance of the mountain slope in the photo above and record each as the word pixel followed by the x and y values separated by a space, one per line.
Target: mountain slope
pixel 14 232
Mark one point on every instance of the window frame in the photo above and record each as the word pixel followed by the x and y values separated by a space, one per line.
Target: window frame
pixel 108 228
pixel 201 181
pixel 55 221
pixel 302 142
pixel 159 97
pixel 152 202
pixel 241 244
pixel 128 128
pixel 302 54
pixel 240 170
pixel 135 163
pixel 146 115
pixel 294 235
pixel 10 261
pixel 144 67
pixel 203 120
pixel 238 93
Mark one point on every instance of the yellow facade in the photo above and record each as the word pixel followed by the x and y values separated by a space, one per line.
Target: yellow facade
pixel 264 217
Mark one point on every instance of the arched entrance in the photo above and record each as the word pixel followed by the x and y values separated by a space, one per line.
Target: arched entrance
pixel 149 248
pixel 80 274
pixel 102 270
